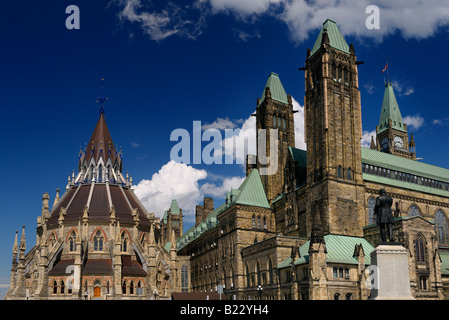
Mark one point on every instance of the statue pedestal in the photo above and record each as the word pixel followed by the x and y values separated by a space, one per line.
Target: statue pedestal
pixel 390 263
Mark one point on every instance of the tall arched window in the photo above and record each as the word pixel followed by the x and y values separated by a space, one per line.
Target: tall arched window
pixel 72 242
pixel 270 271
pixel 62 287
pixel 339 172
pixel 98 241
pixel 100 173
pixel 274 121
pixel 131 288
pixel 371 205
pixel 124 243
pixel 55 287
pixel 253 222
pixel 413 211
pixel 349 174
pixel 258 273
pixel 124 287
pixel 248 283
pixel 184 279
pixel 420 246
pixel 441 229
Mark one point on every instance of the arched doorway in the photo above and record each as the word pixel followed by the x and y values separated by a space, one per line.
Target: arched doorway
pixel 97 290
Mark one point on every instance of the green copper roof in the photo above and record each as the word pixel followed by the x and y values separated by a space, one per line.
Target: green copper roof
pixel 167 246
pixel 390 110
pixel 392 162
pixel 276 89
pixel 444 263
pixel 251 191
pixel 174 208
pixel 336 39
pixel 340 249
pixel 298 155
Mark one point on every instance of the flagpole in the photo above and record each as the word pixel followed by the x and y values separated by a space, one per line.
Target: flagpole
pixel 388 74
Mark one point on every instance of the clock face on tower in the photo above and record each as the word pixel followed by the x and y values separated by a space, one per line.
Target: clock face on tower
pixel 384 143
pixel 398 142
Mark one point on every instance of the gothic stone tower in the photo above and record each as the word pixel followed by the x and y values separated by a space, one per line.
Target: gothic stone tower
pixel 333 128
pixel 275 112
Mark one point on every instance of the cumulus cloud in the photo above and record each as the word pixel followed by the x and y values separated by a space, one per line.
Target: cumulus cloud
pixel 173 181
pixel 302 17
pixel 366 138
pixel 221 124
pixel 413 122
pixel 219 191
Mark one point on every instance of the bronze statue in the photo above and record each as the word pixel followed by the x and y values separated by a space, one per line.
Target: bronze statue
pixel 384 218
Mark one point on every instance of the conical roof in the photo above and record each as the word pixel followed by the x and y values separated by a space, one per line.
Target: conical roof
pixel 336 39
pixel 101 144
pixel 390 110
pixel 276 89
pixel 174 208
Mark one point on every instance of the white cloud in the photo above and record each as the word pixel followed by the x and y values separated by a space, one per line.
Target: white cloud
pixel 186 21
pixel 300 142
pixel 366 138
pixel 369 87
pixel 414 122
pixel 403 88
pixel 210 189
pixel 220 124
pixel 245 36
pixel 303 17
pixel 173 181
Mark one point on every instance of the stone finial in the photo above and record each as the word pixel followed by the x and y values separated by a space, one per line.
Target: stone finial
pixel 15 248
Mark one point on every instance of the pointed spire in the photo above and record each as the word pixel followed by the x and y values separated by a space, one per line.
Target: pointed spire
pixel 151 236
pixel 22 245
pixel 390 111
pixel 15 248
pixel 56 198
pixel 173 241
pixel 331 35
pixel 274 89
pixel 373 144
pixel 317 235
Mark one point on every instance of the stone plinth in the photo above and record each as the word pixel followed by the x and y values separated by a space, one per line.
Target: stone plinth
pixel 390 263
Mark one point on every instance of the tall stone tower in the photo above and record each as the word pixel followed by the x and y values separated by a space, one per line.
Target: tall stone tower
pixel 275 112
pixel 333 128
pixel 391 132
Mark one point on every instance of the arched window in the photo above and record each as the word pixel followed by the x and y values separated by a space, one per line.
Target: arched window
pixel 441 228
pixel 62 287
pixel 349 174
pixel 349 296
pixel 334 71
pixel 248 283
pixel 124 287
pixel 107 287
pixel 265 223
pixel 258 273
pixel 100 173
pixel 131 288
pixel 371 205
pixel 284 124
pixel 274 121
pixel 124 243
pixel 55 287
pixel 270 271
pixel 98 241
pixel 337 296
pixel 413 211
pixel 420 246
pixel 339 172
pixel 184 279
pixel 258 223
pixel 253 224
pixel 72 242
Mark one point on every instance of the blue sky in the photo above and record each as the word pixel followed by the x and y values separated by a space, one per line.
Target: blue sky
pixel 167 64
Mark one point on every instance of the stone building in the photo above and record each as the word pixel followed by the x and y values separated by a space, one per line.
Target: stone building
pixel 303 231
pixel 307 231
pixel 98 241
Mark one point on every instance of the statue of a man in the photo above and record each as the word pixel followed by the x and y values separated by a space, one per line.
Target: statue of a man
pixel 384 219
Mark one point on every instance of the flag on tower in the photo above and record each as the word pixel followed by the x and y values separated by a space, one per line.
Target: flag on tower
pixel 386 66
